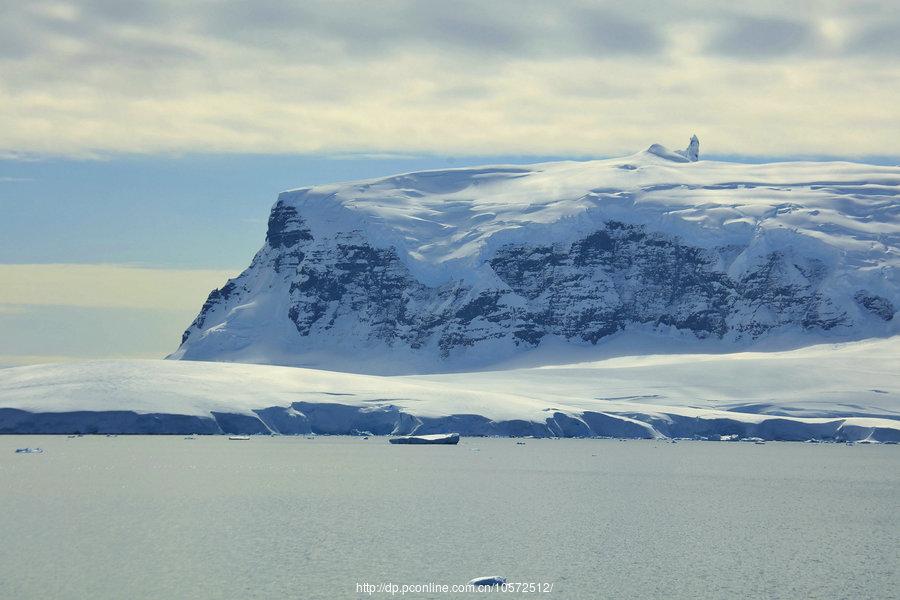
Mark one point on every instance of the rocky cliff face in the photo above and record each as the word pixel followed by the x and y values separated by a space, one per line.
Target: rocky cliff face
pixel 342 280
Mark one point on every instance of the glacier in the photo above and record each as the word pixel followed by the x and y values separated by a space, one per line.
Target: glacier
pixel 843 392
pixel 462 269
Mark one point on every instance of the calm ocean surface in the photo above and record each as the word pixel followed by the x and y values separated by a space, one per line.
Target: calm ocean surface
pixel 283 517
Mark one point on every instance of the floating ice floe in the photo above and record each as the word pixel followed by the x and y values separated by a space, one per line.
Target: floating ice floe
pixel 490 580
pixel 435 438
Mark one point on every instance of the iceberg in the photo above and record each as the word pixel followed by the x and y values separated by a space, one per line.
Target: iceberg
pixel 437 438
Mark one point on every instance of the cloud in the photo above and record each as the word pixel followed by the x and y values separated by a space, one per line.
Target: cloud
pixel 607 33
pixel 881 39
pixel 527 28
pixel 89 77
pixel 105 286
pixel 753 37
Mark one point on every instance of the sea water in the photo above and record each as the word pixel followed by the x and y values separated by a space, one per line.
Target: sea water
pixel 332 517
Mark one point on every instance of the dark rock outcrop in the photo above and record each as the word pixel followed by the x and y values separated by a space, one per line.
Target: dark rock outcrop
pixel 589 289
pixel 878 306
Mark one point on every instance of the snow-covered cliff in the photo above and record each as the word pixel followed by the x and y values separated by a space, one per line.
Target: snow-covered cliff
pixel 467 268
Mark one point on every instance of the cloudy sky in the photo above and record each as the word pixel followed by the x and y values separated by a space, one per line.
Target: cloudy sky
pixel 152 136
pixel 464 77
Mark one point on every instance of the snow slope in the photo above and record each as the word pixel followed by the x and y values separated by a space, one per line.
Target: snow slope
pixel 445 221
pixel 461 269
pixel 844 392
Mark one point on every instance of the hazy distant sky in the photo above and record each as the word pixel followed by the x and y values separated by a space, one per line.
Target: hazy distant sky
pixel 142 143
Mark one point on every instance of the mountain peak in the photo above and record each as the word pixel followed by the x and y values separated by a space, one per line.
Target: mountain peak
pixel 692 152
pixel 689 154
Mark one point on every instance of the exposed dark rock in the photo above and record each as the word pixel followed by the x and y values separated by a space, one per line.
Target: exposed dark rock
pixel 878 306
pixel 583 291
pixel 286 228
pixel 215 297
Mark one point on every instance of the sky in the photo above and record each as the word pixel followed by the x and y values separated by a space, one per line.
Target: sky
pixel 142 143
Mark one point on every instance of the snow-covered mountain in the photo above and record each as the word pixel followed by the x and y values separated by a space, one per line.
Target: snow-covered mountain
pixel 649 296
pixel 477 267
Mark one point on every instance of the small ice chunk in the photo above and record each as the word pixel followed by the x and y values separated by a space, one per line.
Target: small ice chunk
pixel 490 580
